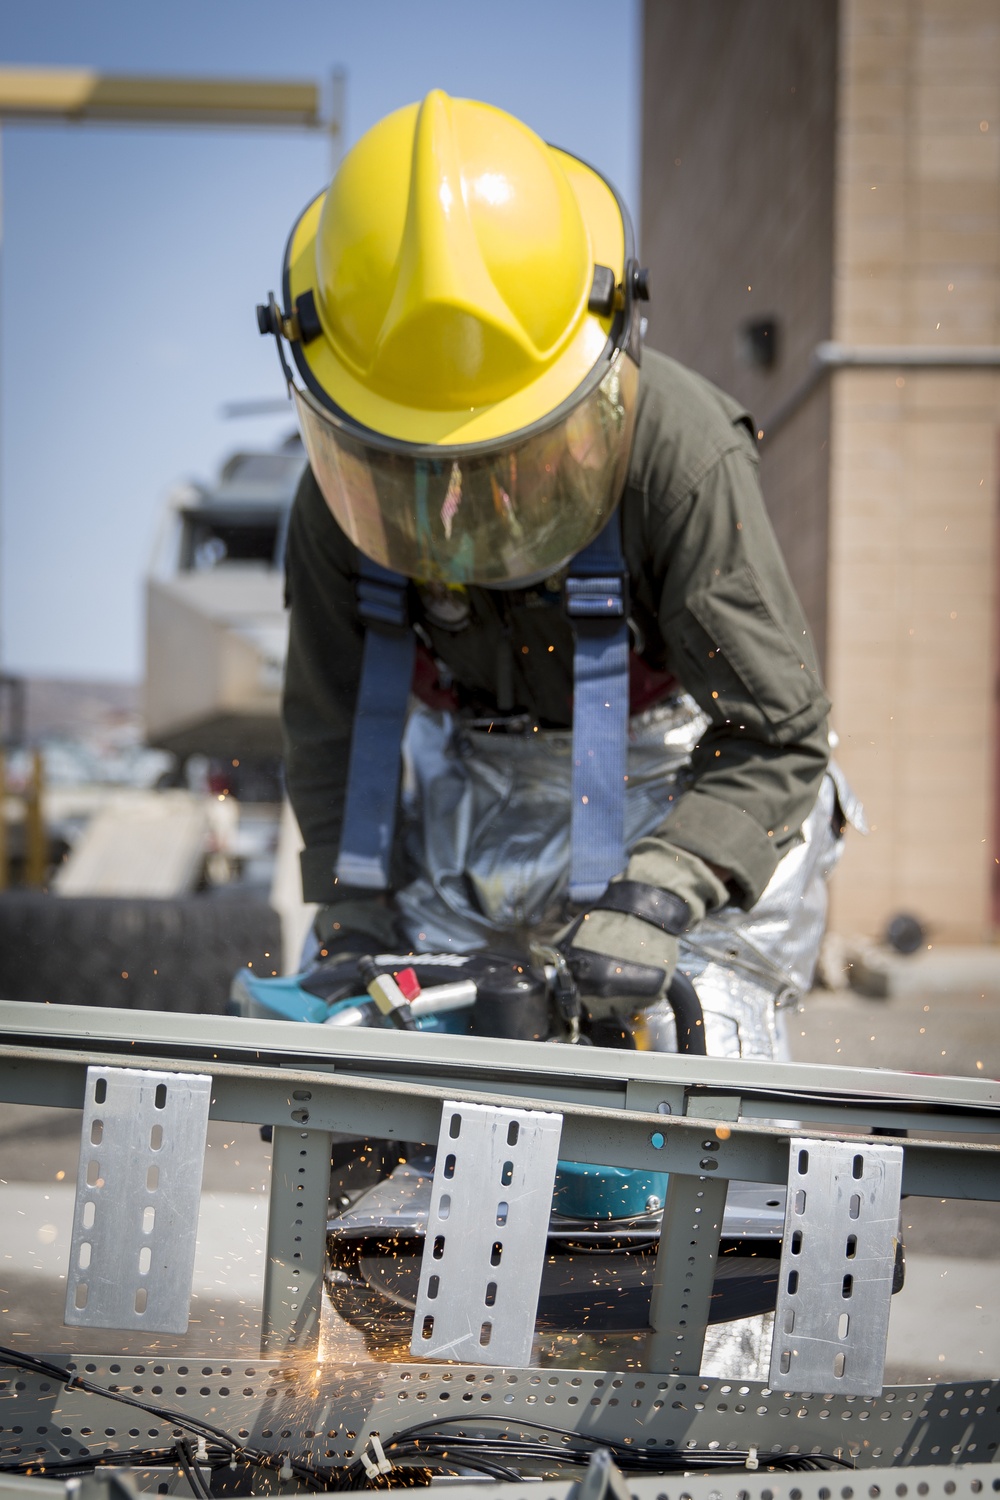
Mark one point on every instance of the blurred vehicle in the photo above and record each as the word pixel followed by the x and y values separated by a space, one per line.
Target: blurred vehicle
pixel 156 861
pixel 215 625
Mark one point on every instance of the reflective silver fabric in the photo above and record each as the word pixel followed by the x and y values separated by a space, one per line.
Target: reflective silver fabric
pixel 487 824
pixel 750 966
pixel 488 818
pixel 740 1350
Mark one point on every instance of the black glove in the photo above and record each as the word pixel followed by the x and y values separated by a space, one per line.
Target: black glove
pixel 625 948
pixel 363 922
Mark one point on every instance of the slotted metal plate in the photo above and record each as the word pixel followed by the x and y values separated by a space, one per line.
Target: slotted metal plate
pixel 135 1224
pixel 837 1259
pixel 487 1227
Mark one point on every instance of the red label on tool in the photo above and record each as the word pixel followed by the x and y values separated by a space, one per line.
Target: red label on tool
pixel 408 983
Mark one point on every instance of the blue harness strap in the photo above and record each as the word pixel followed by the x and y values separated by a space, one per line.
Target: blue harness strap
pixel 379 721
pixel 597 604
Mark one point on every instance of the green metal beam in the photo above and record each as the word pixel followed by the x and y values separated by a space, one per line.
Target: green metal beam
pixel 650 1082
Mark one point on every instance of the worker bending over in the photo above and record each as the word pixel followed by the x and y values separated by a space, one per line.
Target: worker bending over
pixel 547 678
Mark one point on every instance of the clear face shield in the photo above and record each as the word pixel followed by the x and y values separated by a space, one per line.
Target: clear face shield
pixel 497 515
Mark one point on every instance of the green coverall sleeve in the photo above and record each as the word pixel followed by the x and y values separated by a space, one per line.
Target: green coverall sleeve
pixel 737 639
pixel 322 672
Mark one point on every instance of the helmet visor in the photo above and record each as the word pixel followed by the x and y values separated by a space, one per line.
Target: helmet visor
pixel 498 514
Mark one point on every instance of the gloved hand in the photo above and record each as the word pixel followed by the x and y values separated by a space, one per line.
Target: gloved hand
pixel 625 948
pixel 363 922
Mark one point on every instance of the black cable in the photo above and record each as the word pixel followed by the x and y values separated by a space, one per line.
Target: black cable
pixel 191 1470
pixel 682 997
pixel 637 1461
pixel 68 1468
pixel 626 1455
pixel 73 1381
pixel 319 1478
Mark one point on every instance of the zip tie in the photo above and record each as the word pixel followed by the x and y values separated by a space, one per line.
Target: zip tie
pixel 371 1470
pixel 752 1462
pixel 201 1452
pixel 384 1464
pixel 285 1472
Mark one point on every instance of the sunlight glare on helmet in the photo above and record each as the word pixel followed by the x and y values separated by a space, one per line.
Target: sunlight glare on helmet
pixel 493 188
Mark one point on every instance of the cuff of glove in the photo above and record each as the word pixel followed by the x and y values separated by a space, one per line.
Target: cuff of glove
pixel 663 909
pixel 626 945
pixel 675 872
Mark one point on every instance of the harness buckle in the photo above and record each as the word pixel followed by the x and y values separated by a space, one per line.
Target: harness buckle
pixel 383 603
pixel 599 597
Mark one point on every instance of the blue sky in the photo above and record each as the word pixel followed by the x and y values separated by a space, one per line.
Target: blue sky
pixel 133 257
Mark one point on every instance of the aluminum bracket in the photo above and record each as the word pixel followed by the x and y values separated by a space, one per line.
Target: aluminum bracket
pixel 486 1234
pixel 138 1193
pixel 837 1260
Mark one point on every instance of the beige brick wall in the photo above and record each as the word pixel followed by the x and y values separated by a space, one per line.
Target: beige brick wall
pixel 914 484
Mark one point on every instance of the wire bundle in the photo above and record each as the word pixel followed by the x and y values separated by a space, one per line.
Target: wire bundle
pixel 232 1448
pixel 419 1451
pixel 497 1455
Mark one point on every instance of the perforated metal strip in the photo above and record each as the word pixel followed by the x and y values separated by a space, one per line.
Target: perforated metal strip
pixel 487 1228
pixel 837 1259
pixel 135 1223
pixel 267 1402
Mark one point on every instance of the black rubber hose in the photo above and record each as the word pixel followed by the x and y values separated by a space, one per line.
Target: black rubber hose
pixel 682 998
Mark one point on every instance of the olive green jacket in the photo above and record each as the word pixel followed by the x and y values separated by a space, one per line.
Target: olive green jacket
pixel 711 601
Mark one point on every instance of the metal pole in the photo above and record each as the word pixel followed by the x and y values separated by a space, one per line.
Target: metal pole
pixel 296 1239
pixel 34 827
pixel 336 126
pixel 4 851
pixel 686 1260
pixel 1 401
pixel 829 356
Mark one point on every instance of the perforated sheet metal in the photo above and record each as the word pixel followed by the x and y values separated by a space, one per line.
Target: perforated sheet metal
pixel 962 1483
pixel 327 1410
pixel 135 1223
pixel 965 1482
pixel 487 1227
pixel 837 1259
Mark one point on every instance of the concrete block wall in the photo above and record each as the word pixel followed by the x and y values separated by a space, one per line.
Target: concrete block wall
pixel 912 627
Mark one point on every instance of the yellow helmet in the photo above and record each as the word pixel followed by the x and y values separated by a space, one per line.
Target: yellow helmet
pixel 460 308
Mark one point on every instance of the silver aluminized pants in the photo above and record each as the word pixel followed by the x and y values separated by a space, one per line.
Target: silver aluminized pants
pixel 487 827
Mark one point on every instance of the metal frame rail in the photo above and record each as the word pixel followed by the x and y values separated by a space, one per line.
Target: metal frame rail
pixel 961 1483
pixel 705 1121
